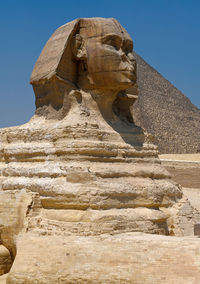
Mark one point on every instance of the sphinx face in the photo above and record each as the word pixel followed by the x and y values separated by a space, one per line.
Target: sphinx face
pixel 109 59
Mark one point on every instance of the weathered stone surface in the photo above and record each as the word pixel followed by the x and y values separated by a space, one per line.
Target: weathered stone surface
pixel 3 279
pixel 185 169
pixel 5 260
pixel 197 229
pixel 122 258
pixel 14 208
pixel 81 171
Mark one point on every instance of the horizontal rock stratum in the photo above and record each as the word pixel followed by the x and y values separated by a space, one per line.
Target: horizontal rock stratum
pixel 80 179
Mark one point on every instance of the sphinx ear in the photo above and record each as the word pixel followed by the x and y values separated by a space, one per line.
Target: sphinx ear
pixel 79 50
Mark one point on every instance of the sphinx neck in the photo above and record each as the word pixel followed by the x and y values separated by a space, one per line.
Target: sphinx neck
pixel 91 105
pixel 103 102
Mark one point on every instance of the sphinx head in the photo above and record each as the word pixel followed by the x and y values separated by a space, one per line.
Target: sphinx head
pixel 103 50
pixel 88 54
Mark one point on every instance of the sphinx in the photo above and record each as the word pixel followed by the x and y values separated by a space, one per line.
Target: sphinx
pixel 81 168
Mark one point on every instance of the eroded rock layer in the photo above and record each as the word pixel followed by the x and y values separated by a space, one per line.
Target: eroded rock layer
pixel 119 259
pixel 89 166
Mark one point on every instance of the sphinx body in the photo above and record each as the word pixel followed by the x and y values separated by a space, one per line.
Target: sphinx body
pixel 81 168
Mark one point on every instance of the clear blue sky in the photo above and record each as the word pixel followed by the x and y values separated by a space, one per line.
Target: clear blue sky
pixel 166 34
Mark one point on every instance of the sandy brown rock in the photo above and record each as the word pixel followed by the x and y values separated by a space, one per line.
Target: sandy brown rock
pixel 5 260
pixel 3 279
pixel 122 258
pixel 184 168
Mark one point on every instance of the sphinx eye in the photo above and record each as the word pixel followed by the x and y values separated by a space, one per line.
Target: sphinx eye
pixel 112 41
pixel 128 47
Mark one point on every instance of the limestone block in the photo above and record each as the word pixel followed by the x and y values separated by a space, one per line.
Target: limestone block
pixel 3 279
pixel 97 222
pixel 197 229
pixel 181 218
pixel 5 260
pixel 14 208
pixel 122 258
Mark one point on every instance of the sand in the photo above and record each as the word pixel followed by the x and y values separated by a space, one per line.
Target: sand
pixel 181 157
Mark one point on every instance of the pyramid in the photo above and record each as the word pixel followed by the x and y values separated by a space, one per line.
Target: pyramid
pixel 165 112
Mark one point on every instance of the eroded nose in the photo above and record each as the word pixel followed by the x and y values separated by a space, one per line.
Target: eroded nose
pixel 132 59
pixel 123 55
pixel 131 56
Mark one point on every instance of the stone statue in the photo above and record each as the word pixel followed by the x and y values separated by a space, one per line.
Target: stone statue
pixel 81 175
pixel 91 55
